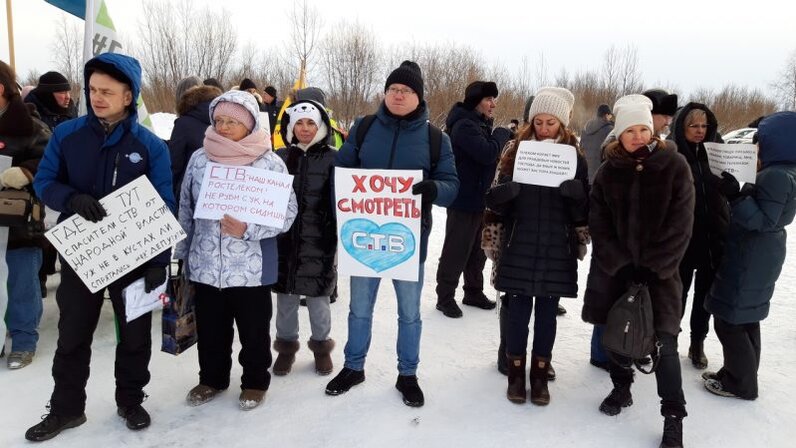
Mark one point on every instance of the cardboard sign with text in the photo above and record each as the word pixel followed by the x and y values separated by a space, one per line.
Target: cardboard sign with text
pixel 139 226
pixel 251 195
pixel 378 223
pixel 545 164
pixel 738 159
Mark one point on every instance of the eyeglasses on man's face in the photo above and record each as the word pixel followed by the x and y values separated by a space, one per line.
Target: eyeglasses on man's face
pixel 401 91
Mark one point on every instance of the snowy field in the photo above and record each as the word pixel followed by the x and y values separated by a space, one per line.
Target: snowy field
pixel 465 395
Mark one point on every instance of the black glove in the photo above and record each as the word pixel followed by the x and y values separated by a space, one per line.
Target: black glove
pixel 729 186
pixel 154 277
pixel 500 194
pixel 748 190
pixel 573 190
pixel 502 135
pixel 87 207
pixel 427 188
pixel 625 273
pixel 643 275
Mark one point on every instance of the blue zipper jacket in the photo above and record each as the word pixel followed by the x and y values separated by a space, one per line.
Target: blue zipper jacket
pixel 81 159
pixel 402 144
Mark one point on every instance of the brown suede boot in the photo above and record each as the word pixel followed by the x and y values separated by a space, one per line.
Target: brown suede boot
pixel 516 392
pixel 539 393
pixel 323 360
pixel 287 356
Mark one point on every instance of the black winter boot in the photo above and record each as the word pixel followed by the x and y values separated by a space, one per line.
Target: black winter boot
pixel 449 308
pixel 502 363
pixel 540 395
pixel 345 380
pixel 478 300
pixel 135 416
pixel 672 432
pixel 620 397
pixel 696 354
pixel 410 390
pixel 516 391
pixel 287 356
pixel 52 425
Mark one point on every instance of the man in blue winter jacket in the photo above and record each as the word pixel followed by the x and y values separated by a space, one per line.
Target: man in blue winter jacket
pixel 398 138
pixel 86 159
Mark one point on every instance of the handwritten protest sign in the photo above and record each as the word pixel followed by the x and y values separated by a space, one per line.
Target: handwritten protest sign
pixel 544 164
pixel 248 194
pixel 378 223
pixel 740 160
pixel 138 227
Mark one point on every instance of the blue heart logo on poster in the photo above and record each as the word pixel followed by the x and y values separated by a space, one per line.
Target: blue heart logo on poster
pixel 377 247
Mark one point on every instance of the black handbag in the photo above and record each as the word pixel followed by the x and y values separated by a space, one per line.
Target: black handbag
pixel 179 316
pixel 630 329
pixel 22 211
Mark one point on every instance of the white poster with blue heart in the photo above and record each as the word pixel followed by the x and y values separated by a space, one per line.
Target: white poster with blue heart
pixel 378 223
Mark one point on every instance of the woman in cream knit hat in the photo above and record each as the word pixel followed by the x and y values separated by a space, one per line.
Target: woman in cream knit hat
pixel 537 261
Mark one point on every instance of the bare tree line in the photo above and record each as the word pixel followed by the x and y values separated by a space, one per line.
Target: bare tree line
pixel 350 64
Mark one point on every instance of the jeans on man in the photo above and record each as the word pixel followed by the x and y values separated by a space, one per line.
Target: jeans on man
pixel 24 298
pixel 364 291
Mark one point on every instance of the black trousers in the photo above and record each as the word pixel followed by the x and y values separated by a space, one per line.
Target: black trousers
pixel 79 313
pixel 518 316
pixel 217 310
pixel 668 375
pixel 461 252
pixel 703 279
pixel 741 347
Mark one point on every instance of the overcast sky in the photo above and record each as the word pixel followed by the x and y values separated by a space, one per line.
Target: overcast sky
pixel 684 44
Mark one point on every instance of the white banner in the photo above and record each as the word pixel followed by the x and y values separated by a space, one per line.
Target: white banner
pixel 740 160
pixel 252 195
pixel 139 226
pixel 545 164
pixel 378 223
pixel 100 37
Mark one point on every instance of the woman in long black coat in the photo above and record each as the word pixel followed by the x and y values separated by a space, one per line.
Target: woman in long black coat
pixel 307 267
pixel 640 218
pixel 753 258
pixel 695 124
pixel 537 263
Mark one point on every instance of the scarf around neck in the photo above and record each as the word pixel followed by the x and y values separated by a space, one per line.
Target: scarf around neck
pixel 243 152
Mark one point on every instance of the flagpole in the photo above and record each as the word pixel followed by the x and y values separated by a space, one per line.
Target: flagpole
pixel 10 34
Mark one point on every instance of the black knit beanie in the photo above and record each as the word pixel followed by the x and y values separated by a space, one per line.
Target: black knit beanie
pixel 477 91
pixel 408 74
pixel 603 110
pixel 53 82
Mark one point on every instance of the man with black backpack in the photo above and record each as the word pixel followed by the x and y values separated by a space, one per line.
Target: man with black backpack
pixel 399 137
pixel 477 150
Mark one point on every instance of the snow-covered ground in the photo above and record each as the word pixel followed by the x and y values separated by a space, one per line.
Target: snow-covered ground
pixel 465 395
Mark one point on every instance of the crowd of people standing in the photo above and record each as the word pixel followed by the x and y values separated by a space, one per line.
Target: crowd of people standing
pixel 650 208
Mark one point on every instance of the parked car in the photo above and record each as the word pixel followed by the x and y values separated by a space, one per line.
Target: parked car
pixel 743 135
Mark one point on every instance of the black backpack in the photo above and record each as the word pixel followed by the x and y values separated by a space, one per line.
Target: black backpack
pixel 434 139
pixel 630 329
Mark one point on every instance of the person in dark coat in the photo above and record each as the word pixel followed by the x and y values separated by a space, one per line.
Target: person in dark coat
pixel 188 134
pixel 307 251
pixel 53 99
pixel 23 138
pixel 271 105
pixel 476 148
pixel 538 258
pixel 76 171
pixel 591 140
pixel 694 125
pixel 753 257
pixel 640 220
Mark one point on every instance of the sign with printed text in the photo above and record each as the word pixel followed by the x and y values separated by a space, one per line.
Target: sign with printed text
pixel 740 160
pixel 139 226
pixel 251 195
pixel 378 223
pixel 545 164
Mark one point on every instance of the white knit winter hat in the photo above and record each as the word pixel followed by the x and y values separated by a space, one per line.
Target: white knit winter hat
pixel 632 110
pixel 555 101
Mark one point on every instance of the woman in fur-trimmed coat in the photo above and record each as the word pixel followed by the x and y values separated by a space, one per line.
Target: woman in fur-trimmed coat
pixel 641 212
